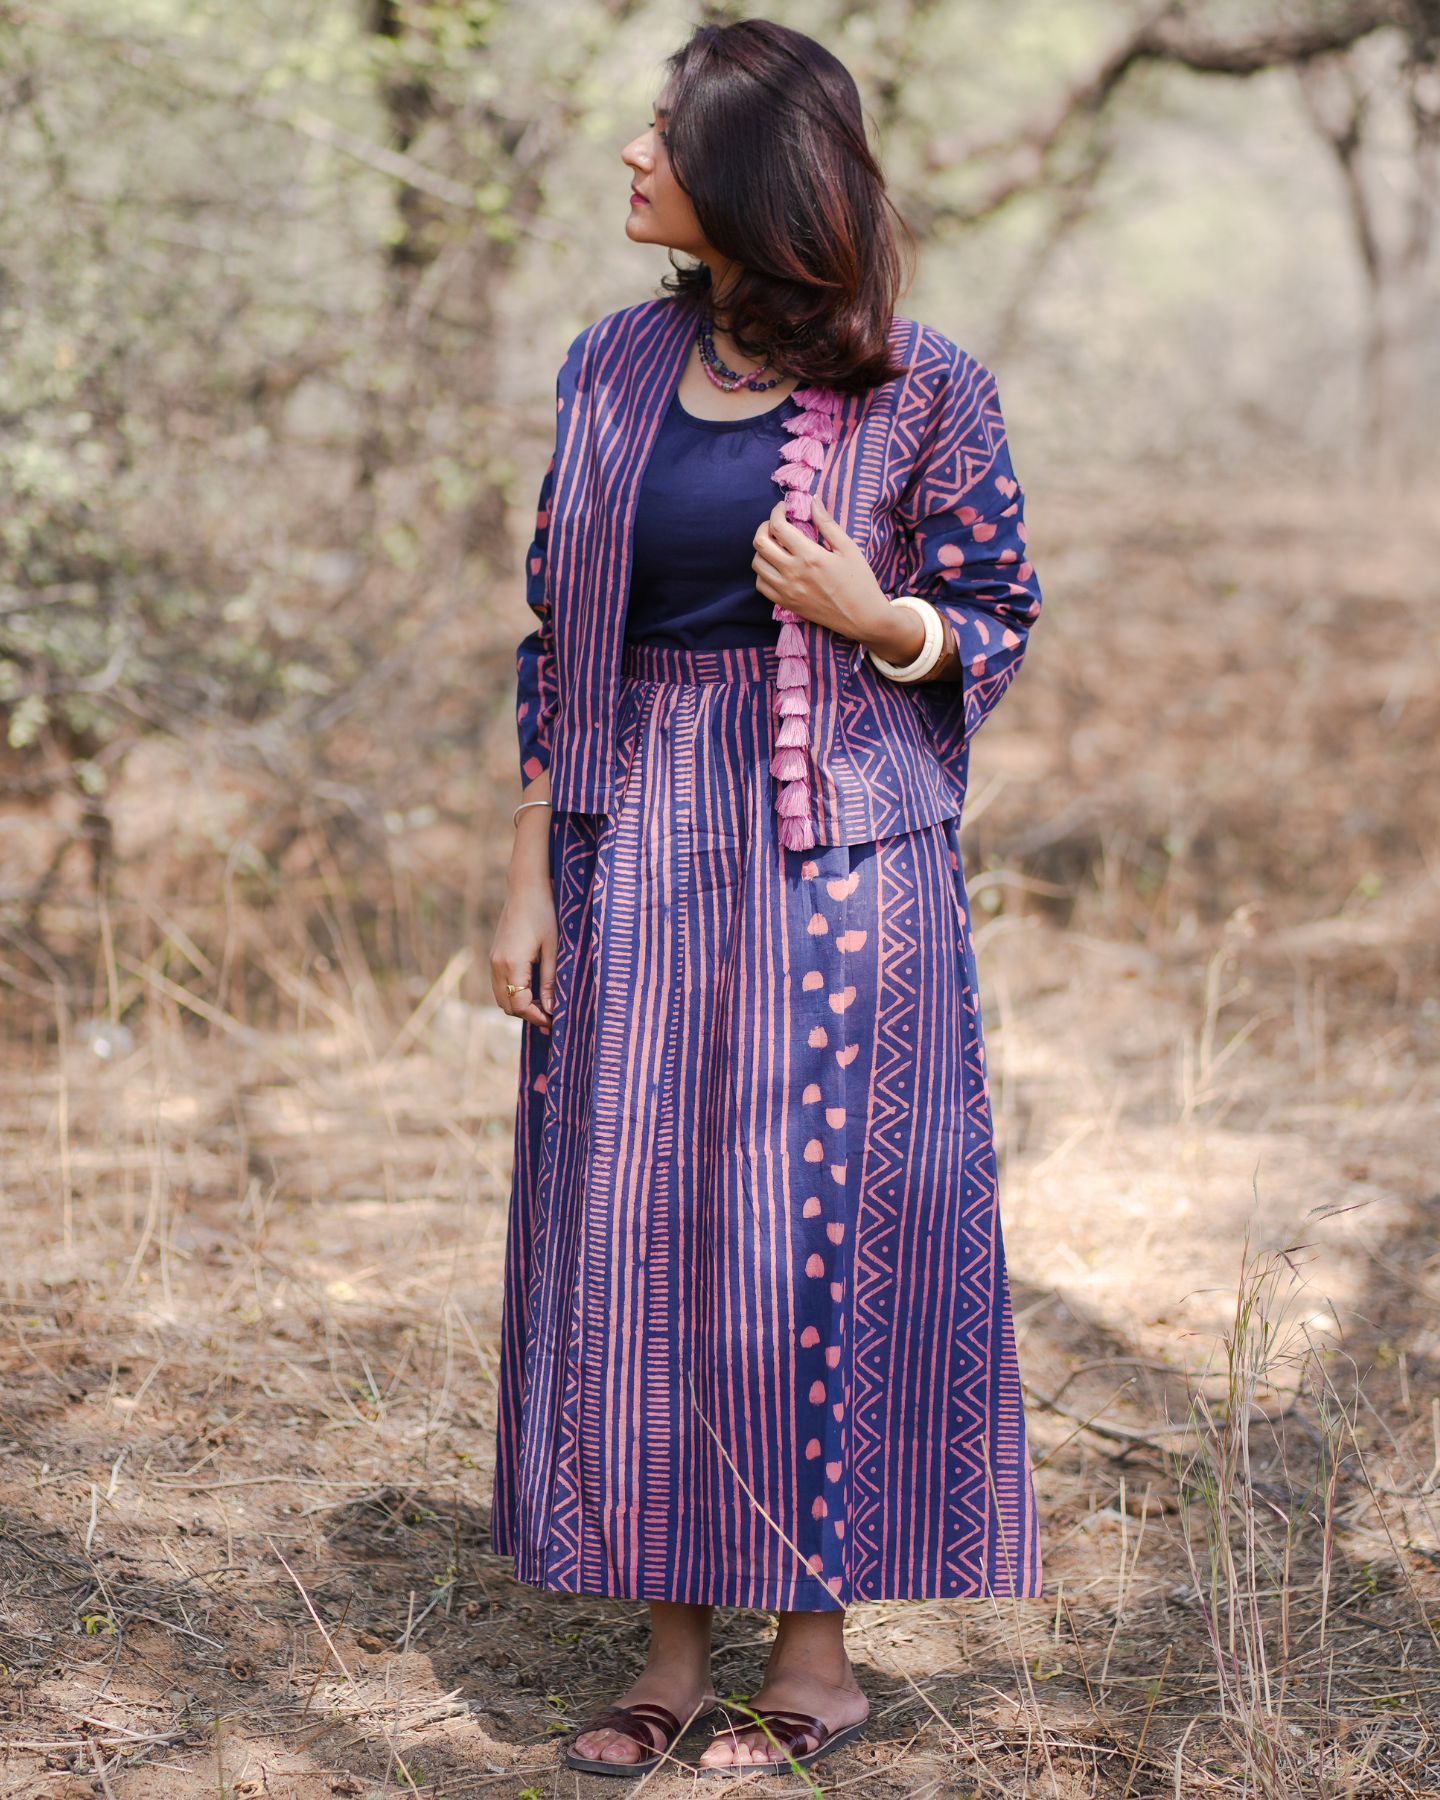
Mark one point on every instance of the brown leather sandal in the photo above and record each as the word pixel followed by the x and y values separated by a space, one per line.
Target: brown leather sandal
pixel 787 1731
pixel 639 1723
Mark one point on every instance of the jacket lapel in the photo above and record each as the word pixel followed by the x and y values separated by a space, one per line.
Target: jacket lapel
pixel 627 374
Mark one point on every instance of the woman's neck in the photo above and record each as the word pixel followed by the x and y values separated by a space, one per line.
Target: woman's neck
pixel 698 394
pixel 703 400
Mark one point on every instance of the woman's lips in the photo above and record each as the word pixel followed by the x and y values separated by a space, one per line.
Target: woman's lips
pixel 637 199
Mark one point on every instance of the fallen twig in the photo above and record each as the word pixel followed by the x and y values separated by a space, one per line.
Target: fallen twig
pixel 319 1626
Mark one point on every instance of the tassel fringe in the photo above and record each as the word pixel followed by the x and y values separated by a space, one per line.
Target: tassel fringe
pixel 789 765
pixel 800 462
pixel 807 450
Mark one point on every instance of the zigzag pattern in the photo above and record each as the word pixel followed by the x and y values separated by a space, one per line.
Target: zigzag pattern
pixel 877 1230
pixel 761 1162
pixel 755 1194
pixel 919 475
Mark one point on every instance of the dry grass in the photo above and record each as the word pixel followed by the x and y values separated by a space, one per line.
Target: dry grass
pixel 251 1279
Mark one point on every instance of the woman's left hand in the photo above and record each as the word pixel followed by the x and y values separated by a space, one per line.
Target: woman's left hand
pixel 833 587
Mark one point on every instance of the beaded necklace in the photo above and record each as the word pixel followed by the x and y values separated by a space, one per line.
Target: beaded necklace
pixel 729 381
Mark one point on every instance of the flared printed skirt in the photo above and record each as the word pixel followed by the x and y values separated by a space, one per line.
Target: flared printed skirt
pixel 757 1346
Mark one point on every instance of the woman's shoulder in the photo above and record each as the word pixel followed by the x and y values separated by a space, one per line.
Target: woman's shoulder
pixel 936 361
pixel 628 323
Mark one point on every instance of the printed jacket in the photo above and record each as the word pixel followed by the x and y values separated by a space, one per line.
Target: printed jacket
pixel 919 476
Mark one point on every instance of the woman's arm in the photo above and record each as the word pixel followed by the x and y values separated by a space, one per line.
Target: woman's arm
pixel 535 695
pixel 526 933
pixel 964 515
pixel 975 570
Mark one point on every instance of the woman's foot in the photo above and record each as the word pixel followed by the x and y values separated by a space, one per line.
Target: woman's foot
pixel 808 1673
pixel 676 1676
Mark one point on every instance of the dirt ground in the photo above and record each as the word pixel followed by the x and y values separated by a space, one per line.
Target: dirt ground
pixel 251 1280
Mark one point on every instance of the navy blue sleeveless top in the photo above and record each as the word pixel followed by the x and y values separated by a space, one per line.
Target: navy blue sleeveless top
pixel 705 490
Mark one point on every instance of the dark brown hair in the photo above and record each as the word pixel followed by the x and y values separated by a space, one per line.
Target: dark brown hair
pixel 766 136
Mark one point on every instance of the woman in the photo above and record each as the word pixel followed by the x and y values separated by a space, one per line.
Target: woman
pixel 758 1348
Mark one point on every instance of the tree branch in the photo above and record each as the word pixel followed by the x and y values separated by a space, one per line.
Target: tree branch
pixel 1167 38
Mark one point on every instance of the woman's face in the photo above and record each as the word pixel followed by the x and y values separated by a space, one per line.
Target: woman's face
pixel 660 209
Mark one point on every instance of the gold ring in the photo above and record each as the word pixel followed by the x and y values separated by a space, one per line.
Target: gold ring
pixel 512 990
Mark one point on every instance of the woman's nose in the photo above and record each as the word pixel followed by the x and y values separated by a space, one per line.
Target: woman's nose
pixel 636 155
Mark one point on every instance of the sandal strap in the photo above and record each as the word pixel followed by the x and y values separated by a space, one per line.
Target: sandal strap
pixel 789 1729
pixel 639 1722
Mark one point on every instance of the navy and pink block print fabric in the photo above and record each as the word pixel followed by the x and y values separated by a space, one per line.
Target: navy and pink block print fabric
pixel 758 1346
pixel 919 475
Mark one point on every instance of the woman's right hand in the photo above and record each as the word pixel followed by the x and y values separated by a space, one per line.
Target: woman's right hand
pixel 526 934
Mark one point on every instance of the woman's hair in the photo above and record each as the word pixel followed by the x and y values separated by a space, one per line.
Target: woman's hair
pixel 766 136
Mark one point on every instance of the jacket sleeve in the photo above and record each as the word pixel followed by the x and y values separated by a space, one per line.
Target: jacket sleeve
pixel 966 513
pixel 535 698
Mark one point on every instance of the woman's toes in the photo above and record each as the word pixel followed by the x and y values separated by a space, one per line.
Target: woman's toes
pixel 737 1751
pixel 604 1746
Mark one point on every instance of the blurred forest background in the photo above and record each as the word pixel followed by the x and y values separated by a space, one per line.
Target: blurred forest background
pixel 283 289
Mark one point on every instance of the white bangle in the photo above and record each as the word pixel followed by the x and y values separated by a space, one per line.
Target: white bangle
pixel 524 806
pixel 930 651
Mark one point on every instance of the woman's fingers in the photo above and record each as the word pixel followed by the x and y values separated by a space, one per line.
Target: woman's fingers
pixel 769 545
pixel 833 533
pixel 532 1012
pixel 511 984
pixel 523 1004
pixel 547 976
pixel 782 558
pixel 795 542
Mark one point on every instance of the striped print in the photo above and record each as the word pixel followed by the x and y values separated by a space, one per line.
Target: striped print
pixel 919 475
pixel 757 1345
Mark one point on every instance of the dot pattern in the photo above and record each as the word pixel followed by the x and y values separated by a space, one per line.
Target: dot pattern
pixel 757 1346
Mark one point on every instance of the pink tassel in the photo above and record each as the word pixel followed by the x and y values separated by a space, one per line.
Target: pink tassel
pixel 819 426
pixel 797 834
pixel 812 429
pixel 806 450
